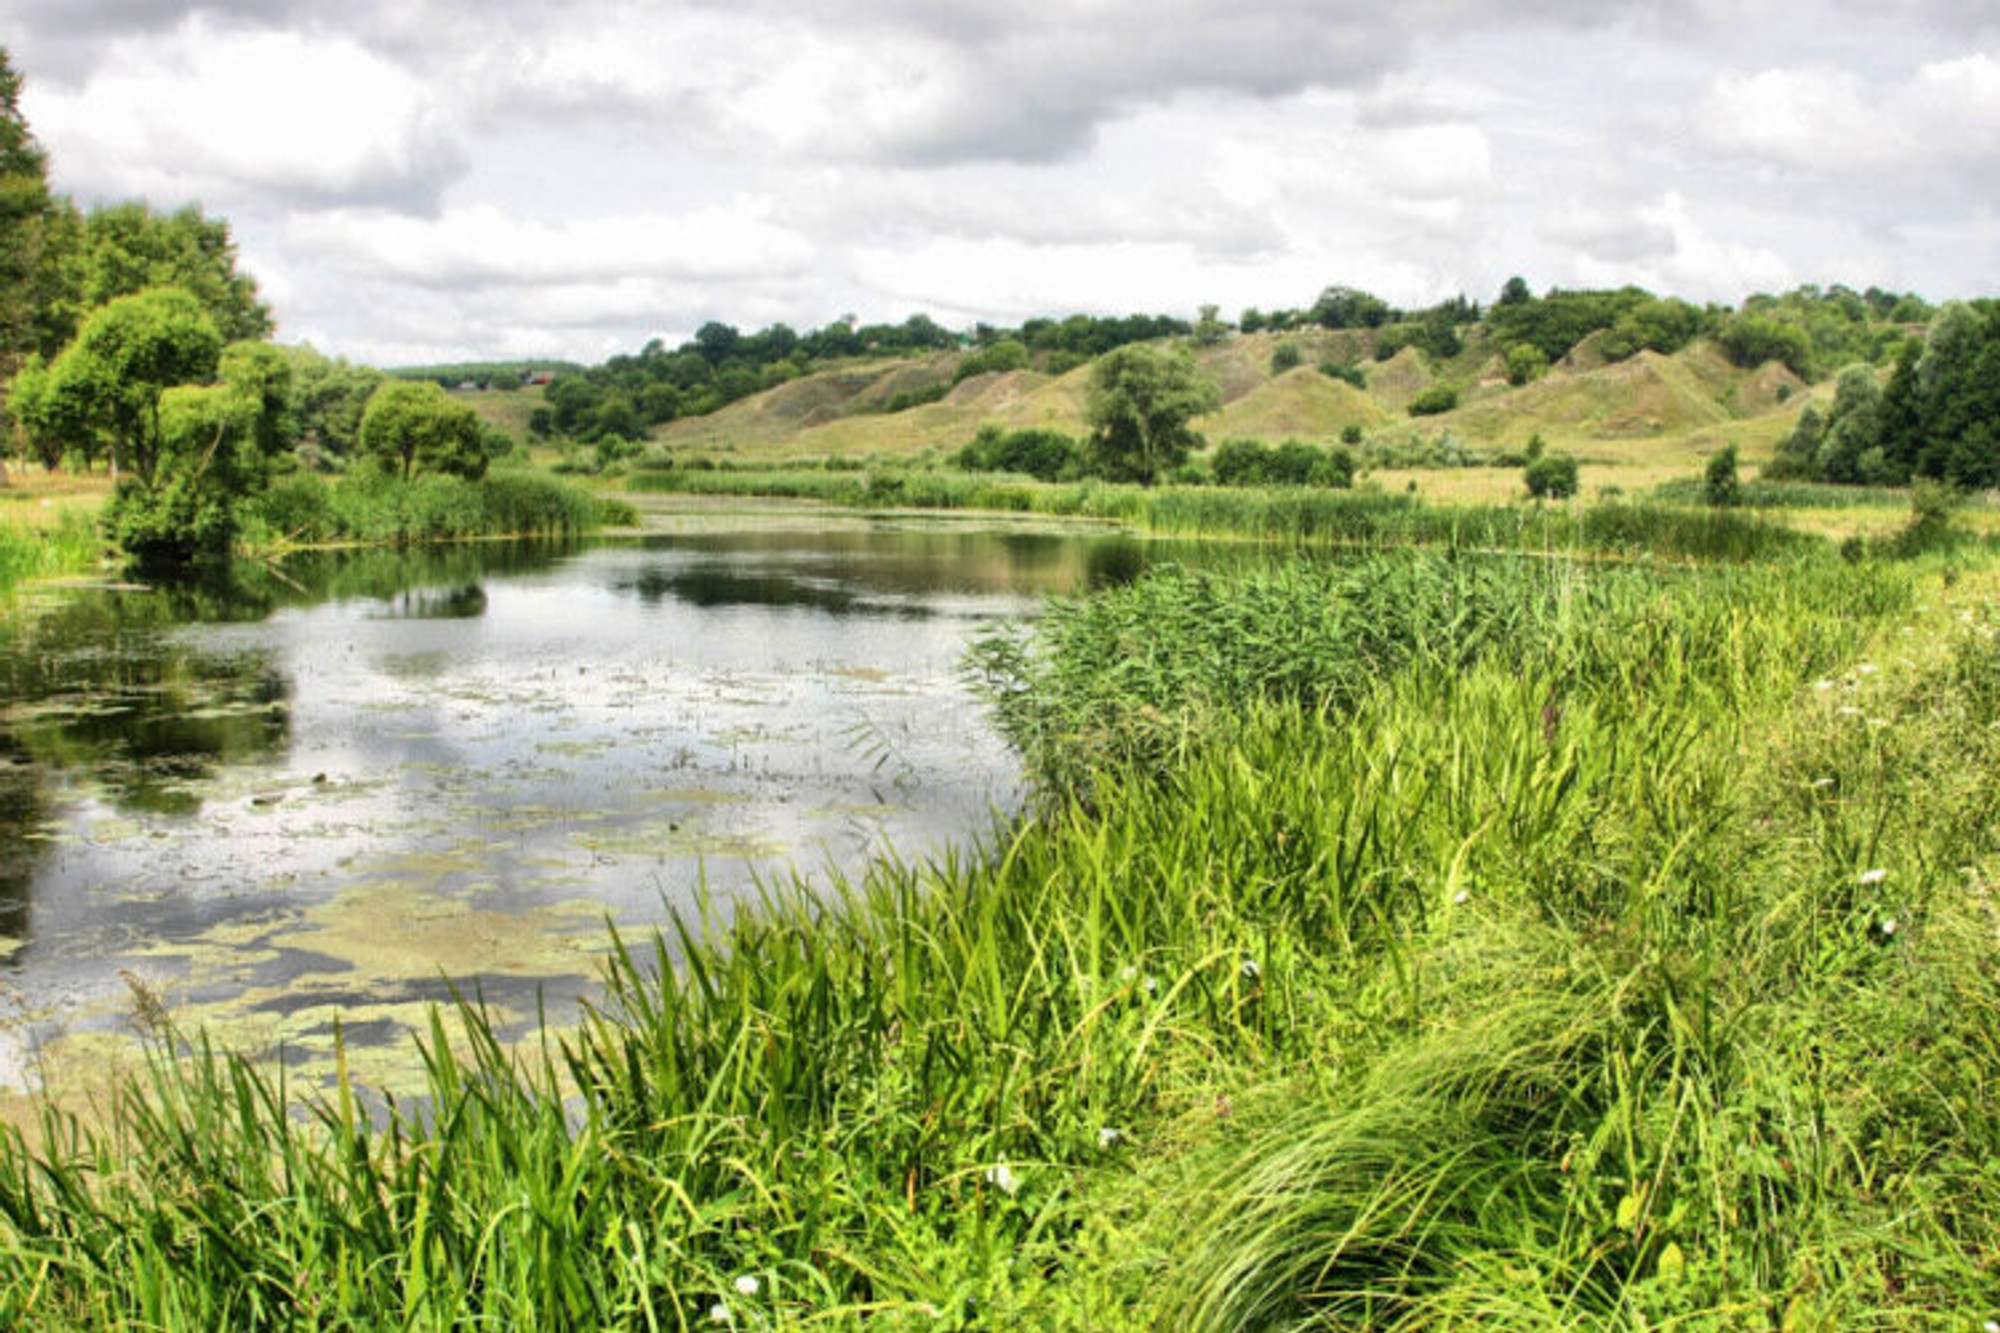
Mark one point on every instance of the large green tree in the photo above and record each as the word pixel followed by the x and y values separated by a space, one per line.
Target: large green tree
pixel 27 225
pixel 1141 401
pixel 127 248
pixel 106 385
pixel 208 459
pixel 413 426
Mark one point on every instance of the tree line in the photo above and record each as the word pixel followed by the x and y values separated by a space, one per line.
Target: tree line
pixel 130 338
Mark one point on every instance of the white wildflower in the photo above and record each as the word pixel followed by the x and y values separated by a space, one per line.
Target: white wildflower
pixel 719 1313
pixel 1002 1178
pixel 1128 973
pixel 1152 986
pixel 1462 897
pixel 1108 1137
pixel 1822 684
pixel 1888 925
pixel 1870 878
pixel 1250 969
pixel 1867 669
pixel 1848 710
pixel 1821 783
pixel 1991 1326
pixel 747 1285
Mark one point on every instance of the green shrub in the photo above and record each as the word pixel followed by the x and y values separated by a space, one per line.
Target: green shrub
pixel 1433 400
pixel 1551 477
pixel 1720 486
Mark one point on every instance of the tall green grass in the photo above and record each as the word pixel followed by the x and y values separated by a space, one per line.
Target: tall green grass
pixel 1296 514
pixel 1517 976
pixel 307 510
pixel 69 545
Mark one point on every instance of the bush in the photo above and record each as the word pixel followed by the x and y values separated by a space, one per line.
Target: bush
pixel 1525 362
pixel 1286 356
pixel 1720 486
pixel 1438 398
pixel 1047 455
pixel 1551 477
pixel 1346 374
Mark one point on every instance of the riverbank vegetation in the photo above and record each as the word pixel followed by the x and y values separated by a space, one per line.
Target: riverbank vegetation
pixel 1427 940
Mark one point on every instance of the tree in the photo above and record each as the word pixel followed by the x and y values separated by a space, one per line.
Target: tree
pixel 1853 426
pixel 208 458
pixel 411 427
pixel 1525 362
pixel 109 380
pixel 328 397
pixel 27 217
pixel 1719 484
pixel 263 376
pixel 1515 292
pixel 127 248
pixel 1350 308
pixel 1140 404
pixel 1797 454
pixel 1209 328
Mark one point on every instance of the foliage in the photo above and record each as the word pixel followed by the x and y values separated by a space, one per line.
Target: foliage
pixel 1350 308
pixel 1720 486
pixel 1044 454
pixel 1751 338
pixel 1140 404
pixel 1551 476
pixel 412 427
pixel 123 249
pixel 998 357
pixel 1345 373
pixel 1557 322
pixel 1433 400
pixel 1525 364
pixel 183 507
pixel 1293 463
pixel 1285 356
pixel 107 384
pixel 29 223
pixel 329 396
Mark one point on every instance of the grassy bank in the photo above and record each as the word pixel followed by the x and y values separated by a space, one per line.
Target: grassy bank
pixel 307 510
pixel 1574 947
pixel 69 544
pixel 1296 514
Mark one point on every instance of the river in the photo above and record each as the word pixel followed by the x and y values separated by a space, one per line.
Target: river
pixel 336 788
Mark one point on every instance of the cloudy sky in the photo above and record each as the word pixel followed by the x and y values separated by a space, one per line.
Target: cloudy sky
pixel 415 180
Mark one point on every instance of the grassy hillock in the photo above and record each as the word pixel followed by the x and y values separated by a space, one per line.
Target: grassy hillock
pixel 1650 409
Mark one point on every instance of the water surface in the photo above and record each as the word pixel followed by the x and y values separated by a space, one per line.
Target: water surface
pixel 318 790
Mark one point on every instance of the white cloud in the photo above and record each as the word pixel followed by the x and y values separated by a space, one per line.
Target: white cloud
pixel 483 246
pixel 429 179
pixel 227 116
pixel 1836 122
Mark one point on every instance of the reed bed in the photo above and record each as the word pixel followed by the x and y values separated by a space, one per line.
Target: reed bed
pixel 69 545
pixel 307 510
pixel 1561 952
pixel 1302 515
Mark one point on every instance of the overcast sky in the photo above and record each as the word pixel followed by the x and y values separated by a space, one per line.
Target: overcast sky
pixel 412 180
